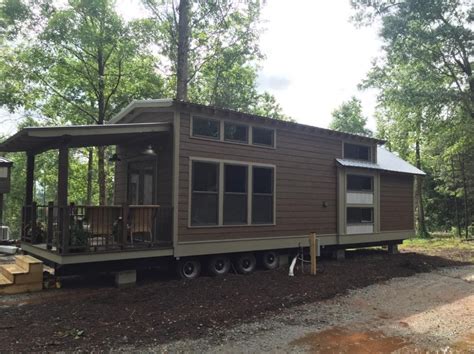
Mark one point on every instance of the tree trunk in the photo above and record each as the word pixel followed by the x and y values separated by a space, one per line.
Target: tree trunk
pixel 101 120
pixel 183 50
pixel 466 207
pixel 458 221
pixel 421 226
pixel 90 171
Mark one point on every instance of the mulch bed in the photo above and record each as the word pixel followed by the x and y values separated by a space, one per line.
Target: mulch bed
pixel 93 315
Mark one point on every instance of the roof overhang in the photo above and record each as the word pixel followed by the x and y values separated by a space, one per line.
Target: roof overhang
pixel 386 161
pixel 135 105
pixel 157 103
pixel 39 139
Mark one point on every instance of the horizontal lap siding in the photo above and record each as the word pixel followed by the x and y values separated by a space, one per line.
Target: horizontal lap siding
pixel 305 178
pixel 396 202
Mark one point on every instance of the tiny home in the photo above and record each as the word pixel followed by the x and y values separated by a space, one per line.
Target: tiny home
pixel 204 186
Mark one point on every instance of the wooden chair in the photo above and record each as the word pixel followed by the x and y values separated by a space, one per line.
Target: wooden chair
pixel 101 221
pixel 141 220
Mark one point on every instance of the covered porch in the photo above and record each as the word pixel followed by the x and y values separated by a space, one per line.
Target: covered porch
pixel 141 215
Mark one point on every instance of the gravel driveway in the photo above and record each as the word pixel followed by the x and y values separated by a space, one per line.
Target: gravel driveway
pixel 428 311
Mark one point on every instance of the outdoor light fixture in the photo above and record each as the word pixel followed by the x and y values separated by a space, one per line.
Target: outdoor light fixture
pixel 114 158
pixel 149 151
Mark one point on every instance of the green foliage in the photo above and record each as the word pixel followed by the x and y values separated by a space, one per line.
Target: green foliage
pixel 223 57
pixel 348 118
pixel 426 97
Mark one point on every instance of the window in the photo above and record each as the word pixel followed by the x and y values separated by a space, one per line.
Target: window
pixel 205 193
pixel 357 152
pixel 263 136
pixel 235 194
pixel 262 197
pixel 236 132
pixel 204 127
pixel 3 172
pixel 359 183
pixel 360 215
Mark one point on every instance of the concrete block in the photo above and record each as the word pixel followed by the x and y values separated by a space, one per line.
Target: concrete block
pixel 339 254
pixel 283 260
pixel 125 278
pixel 392 249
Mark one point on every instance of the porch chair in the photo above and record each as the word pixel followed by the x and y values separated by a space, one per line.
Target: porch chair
pixel 101 221
pixel 142 218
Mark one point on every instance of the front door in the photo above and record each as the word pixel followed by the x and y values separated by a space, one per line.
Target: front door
pixel 142 182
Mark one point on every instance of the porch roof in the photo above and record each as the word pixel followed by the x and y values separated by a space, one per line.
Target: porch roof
pixel 38 139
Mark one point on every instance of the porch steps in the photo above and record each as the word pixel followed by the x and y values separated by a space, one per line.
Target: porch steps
pixel 25 275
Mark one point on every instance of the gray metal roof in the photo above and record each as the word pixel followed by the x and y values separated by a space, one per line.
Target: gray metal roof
pixel 386 161
pixel 4 161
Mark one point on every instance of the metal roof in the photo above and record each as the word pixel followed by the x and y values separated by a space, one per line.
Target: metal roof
pixel 38 139
pixel 5 162
pixel 168 102
pixel 386 161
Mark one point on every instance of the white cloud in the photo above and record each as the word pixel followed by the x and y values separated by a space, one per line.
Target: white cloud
pixel 312 45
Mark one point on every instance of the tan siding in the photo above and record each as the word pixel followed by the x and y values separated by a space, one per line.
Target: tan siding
pixel 396 202
pixel 305 178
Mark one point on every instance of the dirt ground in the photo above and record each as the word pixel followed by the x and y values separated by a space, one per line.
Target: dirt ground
pixel 162 313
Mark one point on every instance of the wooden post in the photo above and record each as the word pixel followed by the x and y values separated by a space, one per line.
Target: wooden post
pixel 125 217
pixel 30 176
pixel 49 235
pixel 63 174
pixel 33 224
pixel 313 246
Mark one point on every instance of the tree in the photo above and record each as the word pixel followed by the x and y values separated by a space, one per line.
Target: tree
pixel 79 63
pixel 349 118
pixel 211 48
pixel 426 94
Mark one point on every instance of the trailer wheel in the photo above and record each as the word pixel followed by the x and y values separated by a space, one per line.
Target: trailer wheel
pixel 245 263
pixel 270 260
pixel 188 268
pixel 218 265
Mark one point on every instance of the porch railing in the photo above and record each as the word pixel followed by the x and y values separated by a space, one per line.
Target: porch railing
pixel 79 228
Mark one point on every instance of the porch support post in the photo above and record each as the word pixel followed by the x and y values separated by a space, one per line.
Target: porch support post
pixel 30 176
pixel 63 172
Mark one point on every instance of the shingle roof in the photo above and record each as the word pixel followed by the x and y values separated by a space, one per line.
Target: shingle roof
pixel 386 161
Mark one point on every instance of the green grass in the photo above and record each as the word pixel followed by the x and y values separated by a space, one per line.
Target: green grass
pixel 438 243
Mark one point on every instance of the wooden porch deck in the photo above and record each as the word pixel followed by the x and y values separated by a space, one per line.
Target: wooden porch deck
pixel 76 229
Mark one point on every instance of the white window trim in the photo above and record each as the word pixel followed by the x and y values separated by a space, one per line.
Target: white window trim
pixel 221 132
pixel 220 218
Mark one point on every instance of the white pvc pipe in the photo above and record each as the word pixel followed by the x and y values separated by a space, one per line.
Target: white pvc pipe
pixel 292 267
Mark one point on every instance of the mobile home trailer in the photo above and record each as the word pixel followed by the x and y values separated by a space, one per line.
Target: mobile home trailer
pixel 202 185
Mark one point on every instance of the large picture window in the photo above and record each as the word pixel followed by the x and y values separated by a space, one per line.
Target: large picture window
pixel 262 195
pixel 235 194
pixel 357 152
pixel 204 127
pixel 205 193
pixel 231 193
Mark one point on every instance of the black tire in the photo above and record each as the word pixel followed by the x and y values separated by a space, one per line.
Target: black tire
pixel 245 263
pixel 270 260
pixel 188 268
pixel 218 265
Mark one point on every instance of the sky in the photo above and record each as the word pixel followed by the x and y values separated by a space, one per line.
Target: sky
pixel 314 58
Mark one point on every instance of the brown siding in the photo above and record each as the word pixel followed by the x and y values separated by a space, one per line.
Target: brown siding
pixel 396 202
pixel 305 178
